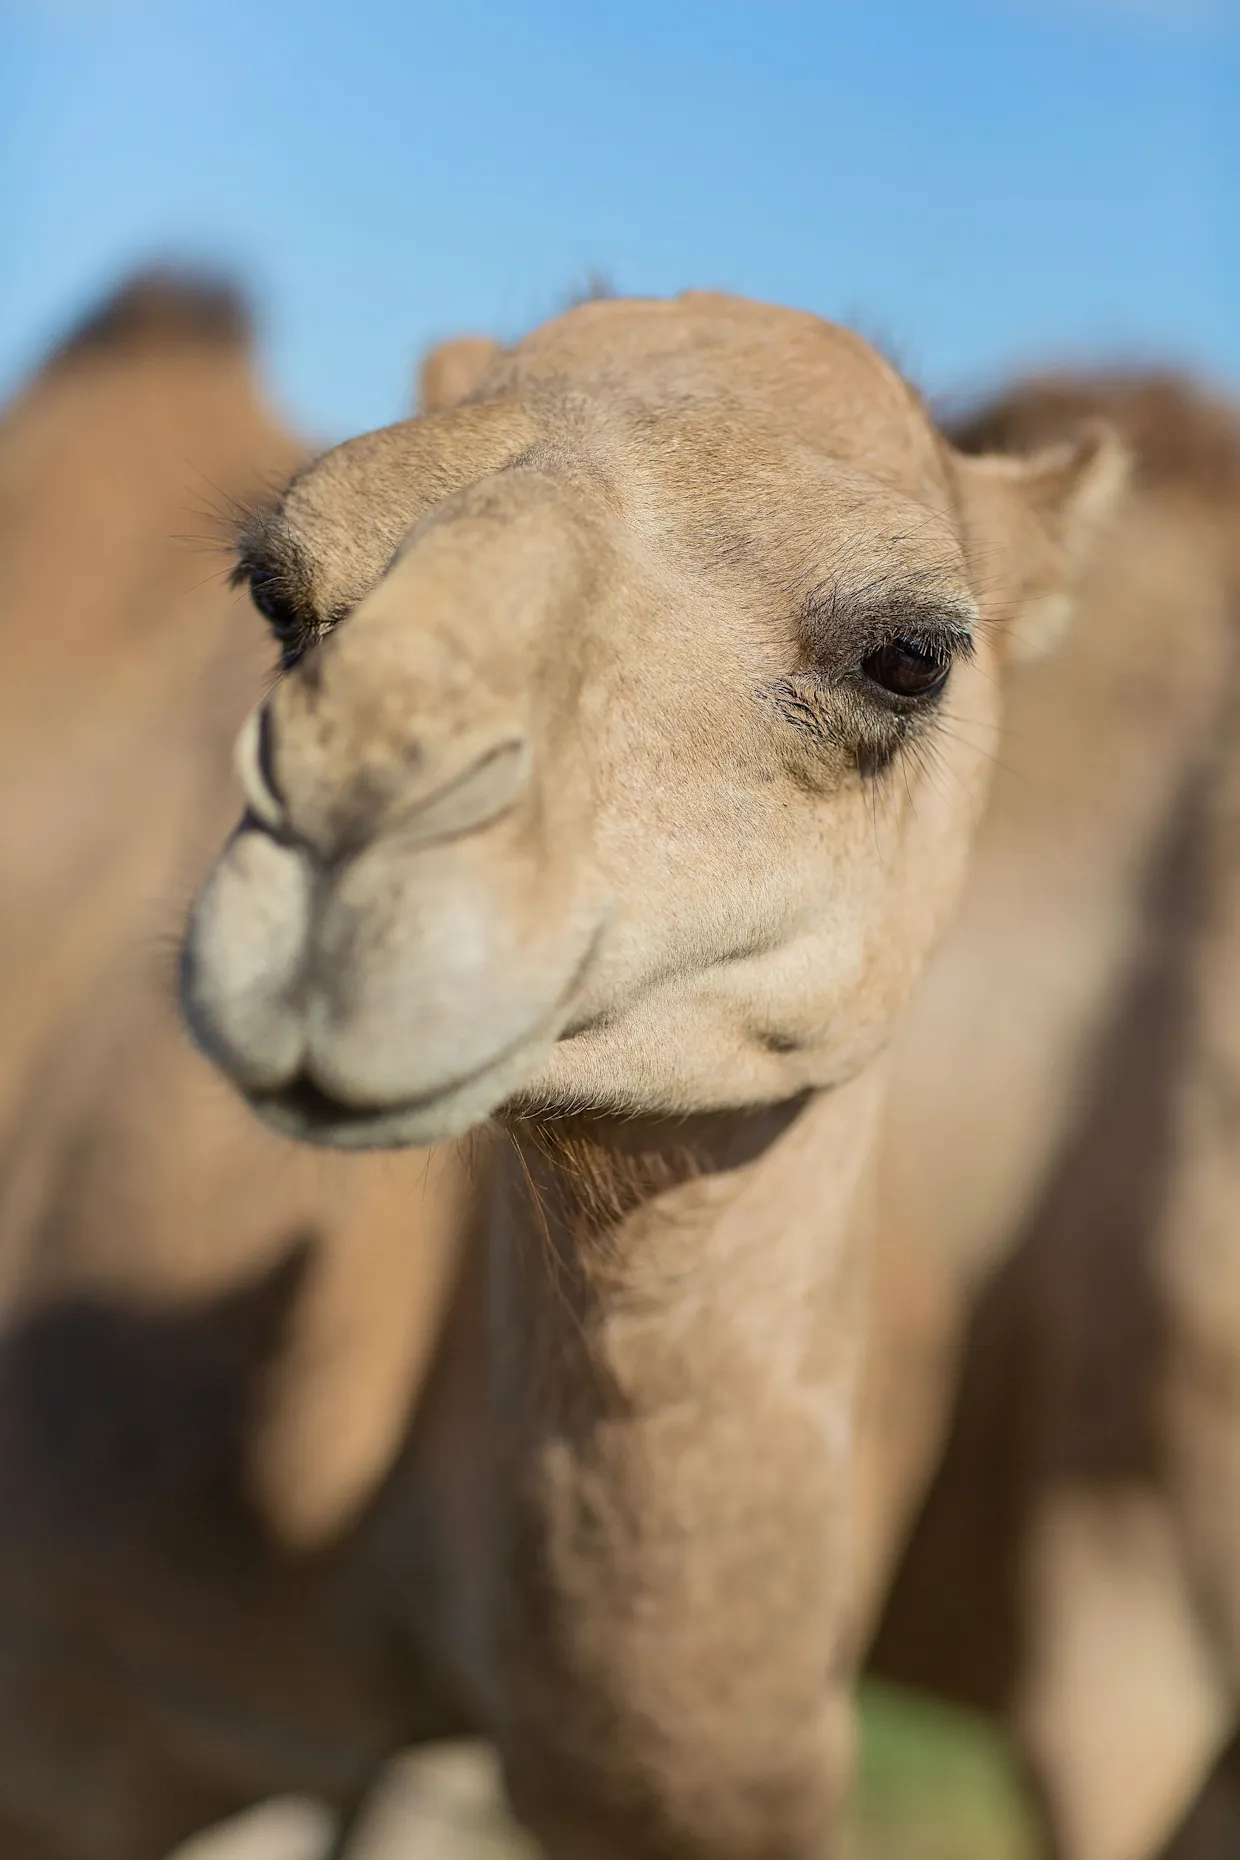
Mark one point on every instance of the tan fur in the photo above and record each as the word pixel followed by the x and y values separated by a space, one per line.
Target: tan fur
pixel 451 371
pixel 211 1340
pixel 1061 1091
pixel 571 808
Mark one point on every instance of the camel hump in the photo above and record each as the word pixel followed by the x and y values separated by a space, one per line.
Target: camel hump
pixel 161 308
pixel 1183 436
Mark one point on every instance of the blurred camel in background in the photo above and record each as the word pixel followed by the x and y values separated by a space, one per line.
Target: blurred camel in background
pixel 204 1328
pixel 1070 1073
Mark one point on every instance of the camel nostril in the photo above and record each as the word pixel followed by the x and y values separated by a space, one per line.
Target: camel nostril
pixel 255 765
pixel 267 754
pixel 472 797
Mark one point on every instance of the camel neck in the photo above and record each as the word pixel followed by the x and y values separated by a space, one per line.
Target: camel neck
pixel 590 1189
pixel 675 1324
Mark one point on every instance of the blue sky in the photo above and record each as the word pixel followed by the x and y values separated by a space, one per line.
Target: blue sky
pixel 984 184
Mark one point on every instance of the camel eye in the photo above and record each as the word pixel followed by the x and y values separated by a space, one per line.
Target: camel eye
pixel 903 669
pixel 273 603
pixel 270 594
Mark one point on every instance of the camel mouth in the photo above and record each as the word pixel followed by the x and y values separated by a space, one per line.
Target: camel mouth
pixel 303 1110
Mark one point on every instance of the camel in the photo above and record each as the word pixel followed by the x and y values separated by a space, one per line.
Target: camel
pixel 1069 1067
pixel 636 716
pixel 201 1682
pixel 210 1339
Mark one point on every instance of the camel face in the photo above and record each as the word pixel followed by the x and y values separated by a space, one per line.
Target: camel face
pixel 635 720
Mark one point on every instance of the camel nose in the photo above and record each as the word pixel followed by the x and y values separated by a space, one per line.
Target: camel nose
pixel 253 764
pixel 477 793
pixel 462 788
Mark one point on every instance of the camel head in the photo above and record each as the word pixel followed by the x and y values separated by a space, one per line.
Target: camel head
pixel 635 715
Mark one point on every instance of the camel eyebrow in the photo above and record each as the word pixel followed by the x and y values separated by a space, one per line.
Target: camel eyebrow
pixel 269 554
pixel 836 619
pixel 264 542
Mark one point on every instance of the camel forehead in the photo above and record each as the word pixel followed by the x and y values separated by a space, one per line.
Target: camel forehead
pixel 699 397
pixel 749 364
pixel 612 376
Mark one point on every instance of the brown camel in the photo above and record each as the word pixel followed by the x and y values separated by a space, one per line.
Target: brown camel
pixel 210 1339
pixel 611 790
pixel 1070 1069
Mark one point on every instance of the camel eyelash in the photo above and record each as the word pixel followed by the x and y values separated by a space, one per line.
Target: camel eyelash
pixel 841 626
pixel 270 568
pixel 947 637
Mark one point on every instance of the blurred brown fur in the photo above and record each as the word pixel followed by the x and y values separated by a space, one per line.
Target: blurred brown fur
pixel 452 370
pixel 1073 1078
pixel 160 309
pixel 1184 440
pixel 211 1340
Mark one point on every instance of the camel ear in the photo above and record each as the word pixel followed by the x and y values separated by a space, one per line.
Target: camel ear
pixel 452 370
pixel 1035 524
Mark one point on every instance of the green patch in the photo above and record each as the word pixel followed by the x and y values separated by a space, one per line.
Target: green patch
pixel 935 1783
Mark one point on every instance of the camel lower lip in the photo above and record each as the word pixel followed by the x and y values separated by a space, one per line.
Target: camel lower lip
pixel 305 1102
pixel 303 1111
